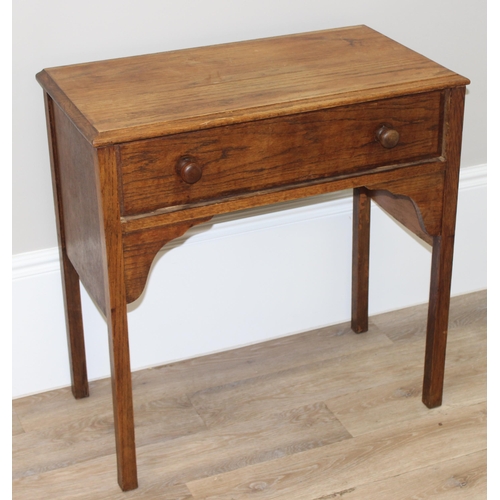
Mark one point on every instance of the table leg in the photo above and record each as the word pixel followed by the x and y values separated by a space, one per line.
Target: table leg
pixel 442 256
pixel 437 321
pixel 360 259
pixel 69 276
pixel 121 382
pixel 116 316
pixel 74 328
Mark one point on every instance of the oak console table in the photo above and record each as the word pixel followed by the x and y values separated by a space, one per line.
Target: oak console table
pixel 143 148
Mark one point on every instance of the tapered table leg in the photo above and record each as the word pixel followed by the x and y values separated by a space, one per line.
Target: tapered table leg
pixel 360 259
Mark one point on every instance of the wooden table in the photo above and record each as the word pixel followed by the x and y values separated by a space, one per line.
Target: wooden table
pixel 143 148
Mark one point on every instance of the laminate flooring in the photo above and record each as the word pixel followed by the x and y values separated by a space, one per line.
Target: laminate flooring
pixel 321 415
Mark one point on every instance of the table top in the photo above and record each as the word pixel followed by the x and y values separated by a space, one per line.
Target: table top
pixel 140 97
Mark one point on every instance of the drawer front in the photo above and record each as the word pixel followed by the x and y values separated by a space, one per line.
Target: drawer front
pixel 278 152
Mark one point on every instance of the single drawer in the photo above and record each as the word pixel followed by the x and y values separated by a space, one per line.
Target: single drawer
pixel 232 160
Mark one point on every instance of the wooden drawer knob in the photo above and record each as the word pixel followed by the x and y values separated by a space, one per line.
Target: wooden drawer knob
pixel 188 169
pixel 387 136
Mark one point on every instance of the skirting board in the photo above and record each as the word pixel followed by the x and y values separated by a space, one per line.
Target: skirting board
pixel 254 276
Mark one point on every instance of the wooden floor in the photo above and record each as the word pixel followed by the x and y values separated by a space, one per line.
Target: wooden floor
pixel 322 415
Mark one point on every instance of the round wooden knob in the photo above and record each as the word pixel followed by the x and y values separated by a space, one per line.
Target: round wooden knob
pixel 387 136
pixel 189 170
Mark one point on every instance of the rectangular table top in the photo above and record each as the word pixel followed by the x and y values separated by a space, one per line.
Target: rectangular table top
pixel 140 97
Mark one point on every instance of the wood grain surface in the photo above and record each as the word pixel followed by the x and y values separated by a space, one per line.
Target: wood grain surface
pixel 279 152
pixel 79 206
pixel 237 82
pixel 320 415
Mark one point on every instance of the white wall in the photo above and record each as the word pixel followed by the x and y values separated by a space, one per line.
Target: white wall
pixel 228 267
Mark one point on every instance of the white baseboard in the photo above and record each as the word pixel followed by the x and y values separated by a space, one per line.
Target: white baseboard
pixel 249 277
